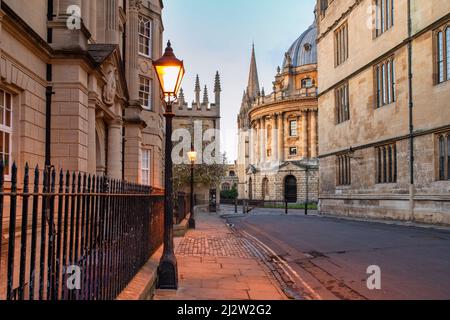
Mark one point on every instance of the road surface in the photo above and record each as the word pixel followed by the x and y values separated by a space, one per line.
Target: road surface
pixel 327 258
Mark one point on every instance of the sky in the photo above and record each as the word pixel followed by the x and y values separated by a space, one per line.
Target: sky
pixel 211 35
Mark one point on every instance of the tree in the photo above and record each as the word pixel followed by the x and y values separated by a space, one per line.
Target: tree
pixel 208 175
pixel 229 194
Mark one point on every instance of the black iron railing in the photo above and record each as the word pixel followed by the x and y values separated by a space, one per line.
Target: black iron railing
pixel 74 236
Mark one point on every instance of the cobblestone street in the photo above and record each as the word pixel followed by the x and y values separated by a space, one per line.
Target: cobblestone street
pixel 213 263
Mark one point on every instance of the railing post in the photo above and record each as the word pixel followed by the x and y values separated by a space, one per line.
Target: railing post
pixel 12 233
pixel 23 242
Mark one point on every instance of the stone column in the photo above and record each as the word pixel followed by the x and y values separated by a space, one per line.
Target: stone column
pixel 281 137
pixel 1 21
pixel 114 165
pixel 93 18
pixel 92 152
pixel 263 141
pixel 305 133
pixel 133 142
pixel 260 141
pixel 132 49
pixel 275 135
pixel 314 134
pixel 111 22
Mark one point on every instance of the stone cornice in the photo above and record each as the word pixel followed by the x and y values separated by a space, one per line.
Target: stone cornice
pixel 338 20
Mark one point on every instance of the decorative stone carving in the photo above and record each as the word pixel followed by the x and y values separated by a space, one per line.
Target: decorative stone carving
pixel 144 66
pixel 110 88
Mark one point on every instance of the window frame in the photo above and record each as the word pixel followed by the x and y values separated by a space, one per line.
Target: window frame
pixel 385 83
pixel 443 156
pixel 386 164
pixel 341 51
pixel 343 170
pixel 6 130
pixel 342 103
pixel 146 171
pixel 442 53
pixel 149 93
pixel 303 83
pixel 293 130
pixel 148 26
pixel 384 16
pixel 293 154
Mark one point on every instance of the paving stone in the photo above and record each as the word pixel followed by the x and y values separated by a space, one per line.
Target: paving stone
pixel 215 264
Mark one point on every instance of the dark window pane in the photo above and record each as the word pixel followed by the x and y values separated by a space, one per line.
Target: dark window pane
pixel 441 158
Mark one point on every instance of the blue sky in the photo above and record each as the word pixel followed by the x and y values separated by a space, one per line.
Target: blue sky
pixel 212 35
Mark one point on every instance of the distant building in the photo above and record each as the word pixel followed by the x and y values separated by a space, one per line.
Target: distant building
pixel 90 64
pixel 230 181
pixel 277 143
pixel 384 121
pixel 207 115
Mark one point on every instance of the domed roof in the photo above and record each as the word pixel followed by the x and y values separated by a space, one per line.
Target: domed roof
pixel 304 50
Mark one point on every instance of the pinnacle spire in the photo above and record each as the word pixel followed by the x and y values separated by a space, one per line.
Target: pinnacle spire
pixel 181 96
pixel 197 90
pixel 205 95
pixel 217 86
pixel 253 81
pixel 197 84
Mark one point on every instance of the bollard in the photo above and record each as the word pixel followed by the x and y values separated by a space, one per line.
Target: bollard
pixel 235 206
pixel 286 207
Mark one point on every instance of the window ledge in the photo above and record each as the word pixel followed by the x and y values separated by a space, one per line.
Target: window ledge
pixel 386 105
pixel 342 123
pixel 145 56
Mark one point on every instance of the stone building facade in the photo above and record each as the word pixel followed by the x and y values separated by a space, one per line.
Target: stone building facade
pixel 86 66
pixel 230 180
pixel 384 121
pixel 278 140
pixel 201 119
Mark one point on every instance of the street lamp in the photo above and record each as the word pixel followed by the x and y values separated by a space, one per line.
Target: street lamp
pixel 192 155
pixel 170 73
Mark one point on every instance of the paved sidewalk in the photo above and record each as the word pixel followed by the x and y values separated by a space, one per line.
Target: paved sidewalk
pixel 214 264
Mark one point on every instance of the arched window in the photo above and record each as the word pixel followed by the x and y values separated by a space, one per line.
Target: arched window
pixel 232 173
pixel 226 186
pixel 307 83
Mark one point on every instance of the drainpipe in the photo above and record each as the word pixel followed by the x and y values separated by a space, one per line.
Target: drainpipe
pixel 48 117
pixel 48 92
pixel 411 119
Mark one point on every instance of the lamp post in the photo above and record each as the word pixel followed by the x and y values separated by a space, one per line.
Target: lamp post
pixel 192 155
pixel 170 73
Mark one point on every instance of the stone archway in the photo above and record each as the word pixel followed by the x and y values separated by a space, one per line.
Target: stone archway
pixel 290 189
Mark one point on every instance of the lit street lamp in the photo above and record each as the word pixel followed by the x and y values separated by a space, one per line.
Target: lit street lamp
pixel 192 155
pixel 170 73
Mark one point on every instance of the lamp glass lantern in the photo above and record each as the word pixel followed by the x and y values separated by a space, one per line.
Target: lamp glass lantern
pixel 192 155
pixel 170 73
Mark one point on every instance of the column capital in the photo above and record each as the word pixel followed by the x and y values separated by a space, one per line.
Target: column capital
pixel 135 5
pixel 115 123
